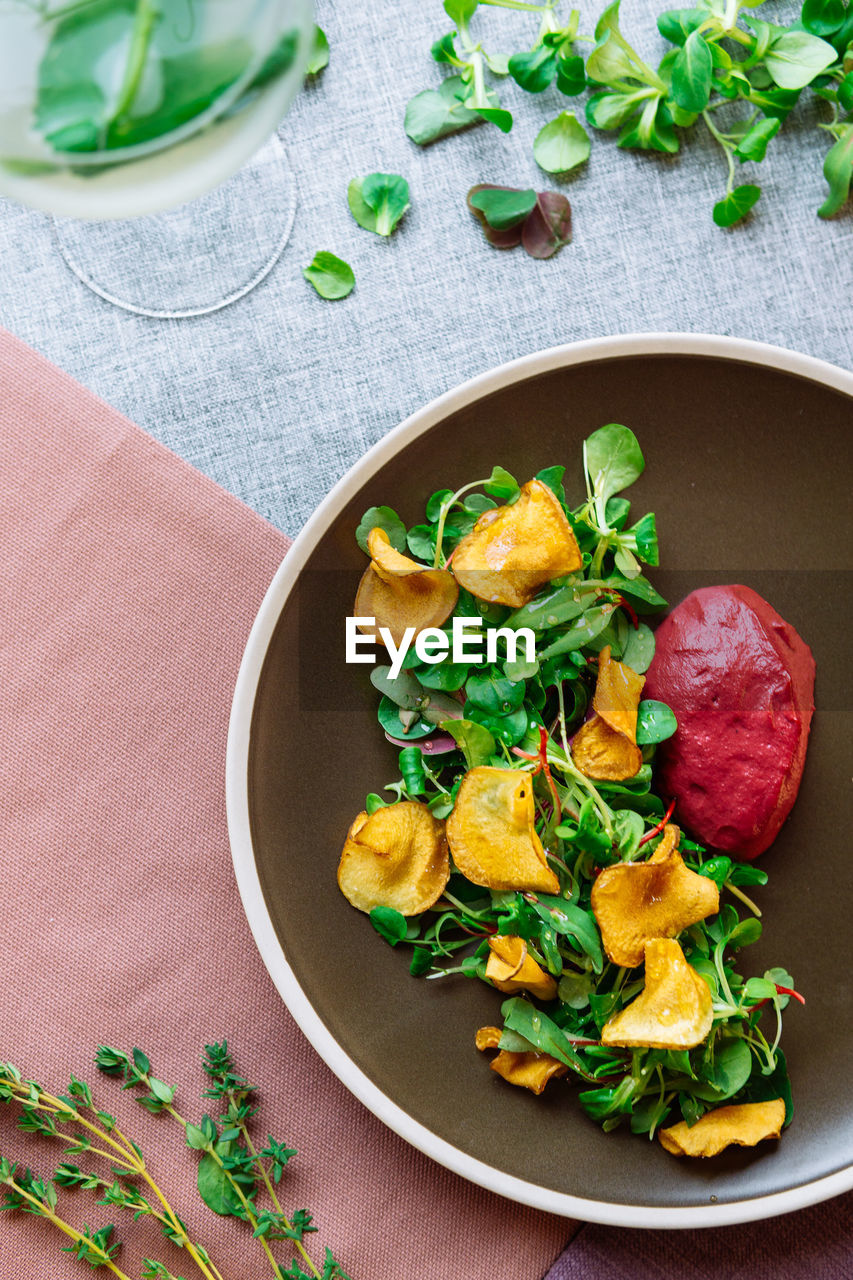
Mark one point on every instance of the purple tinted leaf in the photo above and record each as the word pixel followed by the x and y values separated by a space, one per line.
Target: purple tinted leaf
pixel 484 186
pixel 542 233
pixel 499 239
pixel 504 239
pixel 548 226
pixel 503 209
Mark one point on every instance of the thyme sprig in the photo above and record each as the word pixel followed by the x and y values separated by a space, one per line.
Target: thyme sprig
pixel 29 1194
pixel 95 1132
pixel 232 1171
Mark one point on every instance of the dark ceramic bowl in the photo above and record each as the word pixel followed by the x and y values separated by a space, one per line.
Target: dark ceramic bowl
pixel 748 452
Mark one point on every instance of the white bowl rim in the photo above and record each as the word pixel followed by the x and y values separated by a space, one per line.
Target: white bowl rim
pixel 237 800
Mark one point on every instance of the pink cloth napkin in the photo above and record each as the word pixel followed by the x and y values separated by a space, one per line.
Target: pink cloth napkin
pixel 129 583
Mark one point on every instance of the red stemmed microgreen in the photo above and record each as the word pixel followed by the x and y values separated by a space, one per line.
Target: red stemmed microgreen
pixel 789 991
pixel 623 604
pixel 542 766
pixel 659 826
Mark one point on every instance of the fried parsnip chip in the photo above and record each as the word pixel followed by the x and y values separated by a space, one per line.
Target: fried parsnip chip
pixel 491 832
pixel 617 694
pixel 605 747
pixel 400 593
pixel 528 1070
pixel 511 969
pixel 396 858
pixel 634 902
pixel 488 1038
pixel 673 1011
pixel 742 1125
pixel 603 754
pixel 512 551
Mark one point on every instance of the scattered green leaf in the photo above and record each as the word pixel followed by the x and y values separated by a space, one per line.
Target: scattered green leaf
pixel 838 171
pixel 734 207
pixel 378 201
pixel 330 276
pixel 562 144
pixel 319 53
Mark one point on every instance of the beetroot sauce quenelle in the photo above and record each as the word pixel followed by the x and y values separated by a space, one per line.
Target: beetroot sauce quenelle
pixel 741 683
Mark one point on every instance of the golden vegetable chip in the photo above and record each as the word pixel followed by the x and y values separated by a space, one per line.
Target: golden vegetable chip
pixel 488 1038
pixel 617 694
pixel 396 858
pixel 512 551
pixel 491 832
pixel 605 747
pixel 743 1125
pixel 634 902
pixel 673 1011
pixel 400 593
pixel 511 969
pixel 603 754
pixel 527 1070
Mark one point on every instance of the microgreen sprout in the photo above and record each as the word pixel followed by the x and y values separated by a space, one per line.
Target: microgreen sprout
pixel 523 715
pixel 727 71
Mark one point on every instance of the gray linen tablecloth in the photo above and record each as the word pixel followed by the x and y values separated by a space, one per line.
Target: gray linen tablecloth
pixel 277 395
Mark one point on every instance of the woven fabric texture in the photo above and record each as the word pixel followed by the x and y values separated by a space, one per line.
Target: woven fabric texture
pixel 128 574
pixel 813 1244
pixel 129 584
pixel 277 395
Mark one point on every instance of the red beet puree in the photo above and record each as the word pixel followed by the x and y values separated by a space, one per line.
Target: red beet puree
pixel 741 683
